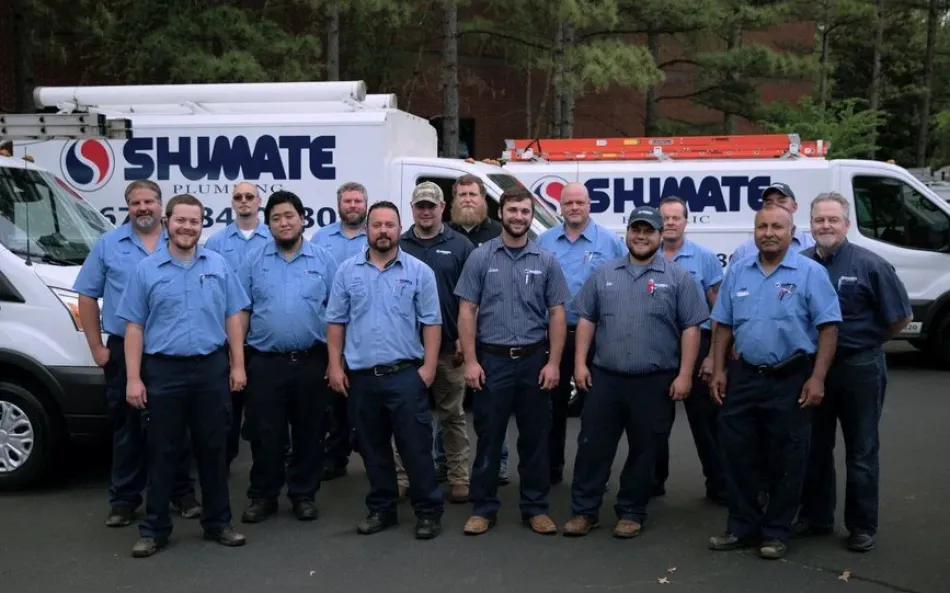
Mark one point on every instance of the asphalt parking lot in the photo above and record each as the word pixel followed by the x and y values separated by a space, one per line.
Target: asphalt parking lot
pixel 54 539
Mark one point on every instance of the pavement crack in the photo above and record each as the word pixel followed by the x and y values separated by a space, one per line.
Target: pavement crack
pixel 854 576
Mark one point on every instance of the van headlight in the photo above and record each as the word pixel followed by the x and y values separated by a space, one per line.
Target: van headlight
pixel 70 300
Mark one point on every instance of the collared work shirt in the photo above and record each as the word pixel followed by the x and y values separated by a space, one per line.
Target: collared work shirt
pixel 593 247
pixel 340 246
pixel 640 314
pixel 870 294
pixel 108 269
pixel 513 293
pixel 446 254
pixel 383 310
pixel 183 308
pixel 777 314
pixel 800 240
pixel 483 232
pixel 703 266
pixel 231 243
pixel 288 297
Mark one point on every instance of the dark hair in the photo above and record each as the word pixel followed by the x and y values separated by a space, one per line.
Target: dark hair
pixel 143 184
pixel 385 205
pixel 515 194
pixel 283 197
pixel 469 180
pixel 674 200
pixel 184 200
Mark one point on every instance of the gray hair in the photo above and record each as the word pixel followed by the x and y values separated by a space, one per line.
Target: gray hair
pixel 351 186
pixel 143 184
pixel 833 197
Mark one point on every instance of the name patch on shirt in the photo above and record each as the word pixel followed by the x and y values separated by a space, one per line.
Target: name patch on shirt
pixel 847 281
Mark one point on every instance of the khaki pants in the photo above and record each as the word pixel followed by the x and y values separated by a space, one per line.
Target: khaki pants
pixel 448 391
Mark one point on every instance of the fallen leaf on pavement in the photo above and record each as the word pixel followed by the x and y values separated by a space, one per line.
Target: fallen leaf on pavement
pixel 671 570
pixel 845 575
pixel 663 581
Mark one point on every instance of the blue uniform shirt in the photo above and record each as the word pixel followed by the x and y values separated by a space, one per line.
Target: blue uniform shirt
pixel 288 298
pixel 230 243
pixel 383 310
pixel 108 269
pixel 800 240
pixel 640 313
pixel 703 266
pixel 513 292
pixel 871 295
pixel 592 248
pixel 339 245
pixel 773 316
pixel 183 308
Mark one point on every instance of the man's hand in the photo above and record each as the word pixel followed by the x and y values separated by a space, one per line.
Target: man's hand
pixel 474 375
pixel 338 380
pixel 427 374
pixel 706 370
pixel 812 393
pixel 238 379
pixel 582 377
pixel 101 355
pixel 549 377
pixel 135 393
pixel 717 386
pixel 681 387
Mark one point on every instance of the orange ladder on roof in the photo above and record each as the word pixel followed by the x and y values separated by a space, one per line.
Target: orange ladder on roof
pixel 759 146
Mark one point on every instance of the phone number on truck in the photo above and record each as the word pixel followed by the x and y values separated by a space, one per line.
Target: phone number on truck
pixel 321 217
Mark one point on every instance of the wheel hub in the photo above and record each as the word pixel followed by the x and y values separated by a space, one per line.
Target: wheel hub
pixel 16 437
pixel 4 437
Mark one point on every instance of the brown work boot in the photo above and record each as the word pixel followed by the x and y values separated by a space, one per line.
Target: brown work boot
pixel 478 525
pixel 458 494
pixel 626 529
pixel 579 526
pixel 541 524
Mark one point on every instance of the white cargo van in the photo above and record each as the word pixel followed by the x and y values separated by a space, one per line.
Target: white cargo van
pixel 308 138
pixel 51 391
pixel 893 213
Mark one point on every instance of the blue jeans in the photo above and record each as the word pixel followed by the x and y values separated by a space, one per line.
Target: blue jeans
pixel 438 449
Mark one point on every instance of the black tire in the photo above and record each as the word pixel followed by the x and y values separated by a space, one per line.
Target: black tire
pixel 40 458
pixel 918 344
pixel 939 343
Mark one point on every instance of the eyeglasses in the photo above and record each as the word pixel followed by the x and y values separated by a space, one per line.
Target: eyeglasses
pixel 243 197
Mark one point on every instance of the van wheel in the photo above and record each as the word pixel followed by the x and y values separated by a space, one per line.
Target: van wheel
pixel 939 347
pixel 25 445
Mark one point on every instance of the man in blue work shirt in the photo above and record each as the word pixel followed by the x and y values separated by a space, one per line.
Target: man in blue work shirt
pixel 875 308
pixel 645 312
pixel 234 242
pixel 344 239
pixel 512 330
pixel 380 303
pixel 783 312
pixel 580 246
pixel 184 313
pixel 446 252
pixel 104 275
pixel 288 280
pixel 782 195
pixel 704 267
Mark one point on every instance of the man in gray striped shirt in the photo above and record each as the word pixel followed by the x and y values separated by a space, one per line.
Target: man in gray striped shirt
pixel 509 289
pixel 646 314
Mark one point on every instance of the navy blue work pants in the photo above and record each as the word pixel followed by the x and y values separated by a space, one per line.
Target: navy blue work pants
pixel 187 395
pixel 761 409
pixel 639 405
pixel 384 408
pixel 511 386
pixel 129 475
pixel 340 434
pixel 286 389
pixel 853 396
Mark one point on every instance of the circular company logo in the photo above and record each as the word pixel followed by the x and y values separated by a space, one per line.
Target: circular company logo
pixel 549 189
pixel 87 165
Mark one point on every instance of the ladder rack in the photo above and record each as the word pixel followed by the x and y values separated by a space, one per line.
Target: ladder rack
pixel 759 146
pixel 46 126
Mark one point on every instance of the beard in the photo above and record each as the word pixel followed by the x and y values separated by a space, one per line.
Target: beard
pixel 515 234
pixel 469 216
pixel 642 257
pixel 383 244
pixel 184 242
pixel 287 244
pixel 145 223
pixel 352 218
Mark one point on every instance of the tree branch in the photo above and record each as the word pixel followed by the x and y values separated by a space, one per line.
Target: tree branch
pixel 677 62
pixel 690 95
pixel 506 36
pixel 609 32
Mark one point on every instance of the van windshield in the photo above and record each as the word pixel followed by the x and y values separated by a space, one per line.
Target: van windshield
pixel 42 219
pixel 542 212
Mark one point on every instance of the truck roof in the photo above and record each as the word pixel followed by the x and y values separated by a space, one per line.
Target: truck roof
pixel 355 118
pixel 718 166
pixel 18 163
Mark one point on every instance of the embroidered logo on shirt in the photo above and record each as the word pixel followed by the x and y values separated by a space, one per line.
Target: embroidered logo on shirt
pixel 443 252
pixel 785 290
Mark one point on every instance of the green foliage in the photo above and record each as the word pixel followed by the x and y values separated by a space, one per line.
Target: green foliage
pixel 845 124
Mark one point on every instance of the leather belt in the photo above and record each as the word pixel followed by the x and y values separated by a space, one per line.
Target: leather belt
pixel 292 355
pixel 386 369
pixel 512 352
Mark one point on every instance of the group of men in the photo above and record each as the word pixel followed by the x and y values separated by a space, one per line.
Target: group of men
pixel 345 342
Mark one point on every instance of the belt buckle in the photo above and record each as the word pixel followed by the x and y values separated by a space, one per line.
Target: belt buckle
pixel 511 352
pixel 294 356
pixel 377 371
pixel 763 369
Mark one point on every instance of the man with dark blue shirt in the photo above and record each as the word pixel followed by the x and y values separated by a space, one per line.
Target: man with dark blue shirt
pixel 874 308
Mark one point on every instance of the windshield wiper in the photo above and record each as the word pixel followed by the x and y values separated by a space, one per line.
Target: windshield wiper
pixel 43 257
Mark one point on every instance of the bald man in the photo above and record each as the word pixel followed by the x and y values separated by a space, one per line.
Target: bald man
pixel 580 246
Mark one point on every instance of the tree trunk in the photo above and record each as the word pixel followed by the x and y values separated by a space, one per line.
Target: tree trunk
pixel 567 96
pixel 554 124
pixel 731 120
pixel 527 95
pixel 333 40
pixel 926 95
pixel 823 65
pixel 450 80
pixel 875 99
pixel 24 71
pixel 651 115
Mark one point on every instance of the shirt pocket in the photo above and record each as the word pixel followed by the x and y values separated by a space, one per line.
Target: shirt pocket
pixel 168 295
pixel 663 303
pixel 359 295
pixel 849 298
pixel 403 297
pixel 743 308
pixel 213 291
pixel 313 287
pixel 612 302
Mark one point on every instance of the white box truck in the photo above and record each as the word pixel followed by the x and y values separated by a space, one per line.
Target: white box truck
pixel 893 213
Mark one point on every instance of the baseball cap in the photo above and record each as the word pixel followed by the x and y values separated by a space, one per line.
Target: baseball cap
pixel 779 187
pixel 648 215
pixel 427 192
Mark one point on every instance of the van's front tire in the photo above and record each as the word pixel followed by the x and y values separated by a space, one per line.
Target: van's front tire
pixel 26 438
pixel 939 343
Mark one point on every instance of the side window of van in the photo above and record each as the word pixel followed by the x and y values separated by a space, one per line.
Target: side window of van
pixel 891 211
pixel 446 183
